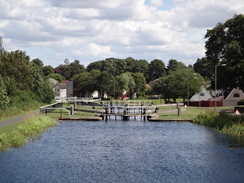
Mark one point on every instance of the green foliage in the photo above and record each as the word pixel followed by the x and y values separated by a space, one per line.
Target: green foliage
pixel 22 83
pixel 38 62
pixel 27 130
pixel 140 82
pixel 178 84
pixel 241 102
pixel 204 68
pixel 118 66
pixel 236 129
pixel 56 76
pixel 47 70
pixel 4 99
pixel 223 121
pixel 126 82
pixel 104 83
pixel 225 44
pixel 85 82
pixel 174 65
pixel 156 69
pixel 70 70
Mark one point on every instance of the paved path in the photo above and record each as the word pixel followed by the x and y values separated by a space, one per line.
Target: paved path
pixel 18 119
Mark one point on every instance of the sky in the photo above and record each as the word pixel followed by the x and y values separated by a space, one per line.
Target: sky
pixel 93 30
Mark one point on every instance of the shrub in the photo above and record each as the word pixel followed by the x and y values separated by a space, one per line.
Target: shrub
pixel 223 121
pixel 241 102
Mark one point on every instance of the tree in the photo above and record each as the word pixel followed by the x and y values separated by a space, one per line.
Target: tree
pixel 4 99
pixel 38 62
pixel 118 66
pixel 203 67
pixel 225 45
pixel 63 70
pixel 75 68
pixel 56 76
pixel 104 83
pixel 17 66
pixel 1 45
pixel 174 65
pixel 85 82
pixel 140 82
pixel 47 70
pixel 178 84
pixel 156 69
pixel 126 82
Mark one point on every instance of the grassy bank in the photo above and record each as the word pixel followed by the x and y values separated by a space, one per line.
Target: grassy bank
pixel 27 130
pixel 223 122
pixel 172 112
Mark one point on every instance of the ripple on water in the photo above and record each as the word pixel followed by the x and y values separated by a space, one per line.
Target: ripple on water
pixel 117 151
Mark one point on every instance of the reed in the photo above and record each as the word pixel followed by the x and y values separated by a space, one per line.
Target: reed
pixel 224 122
pixel 27 130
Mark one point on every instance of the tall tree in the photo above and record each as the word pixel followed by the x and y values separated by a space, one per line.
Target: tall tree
pixel 140 82
pixel 225 45
pixel 75 68
pixel 178 84
pixel 174 65
pixel 38 62
pixel 1 45
pixel 203 67
pixel 47 70
pixel 126 82
pixel 104 83
pixel 156 69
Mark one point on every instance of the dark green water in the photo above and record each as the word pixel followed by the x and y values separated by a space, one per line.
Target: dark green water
pixel 133 151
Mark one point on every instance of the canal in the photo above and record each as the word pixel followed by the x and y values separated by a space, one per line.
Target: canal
pixel 126 152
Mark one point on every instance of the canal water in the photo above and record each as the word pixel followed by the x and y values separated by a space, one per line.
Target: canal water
pixel 126 152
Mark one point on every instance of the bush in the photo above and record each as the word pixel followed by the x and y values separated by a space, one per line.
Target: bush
pixel 241 102
pixel 223 122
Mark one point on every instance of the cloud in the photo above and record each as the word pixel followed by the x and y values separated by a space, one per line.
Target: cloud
pixel 53 30
pixel 157 3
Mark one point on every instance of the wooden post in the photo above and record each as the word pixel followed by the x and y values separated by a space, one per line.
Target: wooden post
pixel 179 109
pixel 71 110
pixel 60 113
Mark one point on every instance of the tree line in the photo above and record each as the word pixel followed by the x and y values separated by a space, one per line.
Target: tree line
pixel 224 45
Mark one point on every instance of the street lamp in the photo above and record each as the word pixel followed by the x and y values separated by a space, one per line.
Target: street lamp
pixel 215 87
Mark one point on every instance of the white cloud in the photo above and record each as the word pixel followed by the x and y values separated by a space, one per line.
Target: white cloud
pixel 53 30
pixel 157 3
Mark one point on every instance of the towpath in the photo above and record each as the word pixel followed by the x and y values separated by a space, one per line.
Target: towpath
pixel 18 119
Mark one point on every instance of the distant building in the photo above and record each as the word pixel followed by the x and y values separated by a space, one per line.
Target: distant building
pixel 204 98
pixel 64 89
pixel 203 95
pixel 234 96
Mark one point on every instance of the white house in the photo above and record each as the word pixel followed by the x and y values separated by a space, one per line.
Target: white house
pixel 203 95
pixel 234 96
pixel 64 90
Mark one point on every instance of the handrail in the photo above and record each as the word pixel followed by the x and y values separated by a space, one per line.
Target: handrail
pixel 47 107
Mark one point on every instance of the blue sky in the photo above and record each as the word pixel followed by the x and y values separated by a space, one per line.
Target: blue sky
pixel 92 30
pixel 162 5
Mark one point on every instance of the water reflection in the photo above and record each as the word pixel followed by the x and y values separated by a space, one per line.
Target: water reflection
pixel 133 151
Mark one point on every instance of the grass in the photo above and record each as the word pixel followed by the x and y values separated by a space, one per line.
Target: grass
pixel 172 112
pixel 55 114
pixel 17 135
pixel 223 122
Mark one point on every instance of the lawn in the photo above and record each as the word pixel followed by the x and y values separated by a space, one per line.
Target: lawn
pixel 185 113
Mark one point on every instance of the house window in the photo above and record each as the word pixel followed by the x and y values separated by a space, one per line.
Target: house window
pixel 202 94
pixel 236 95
